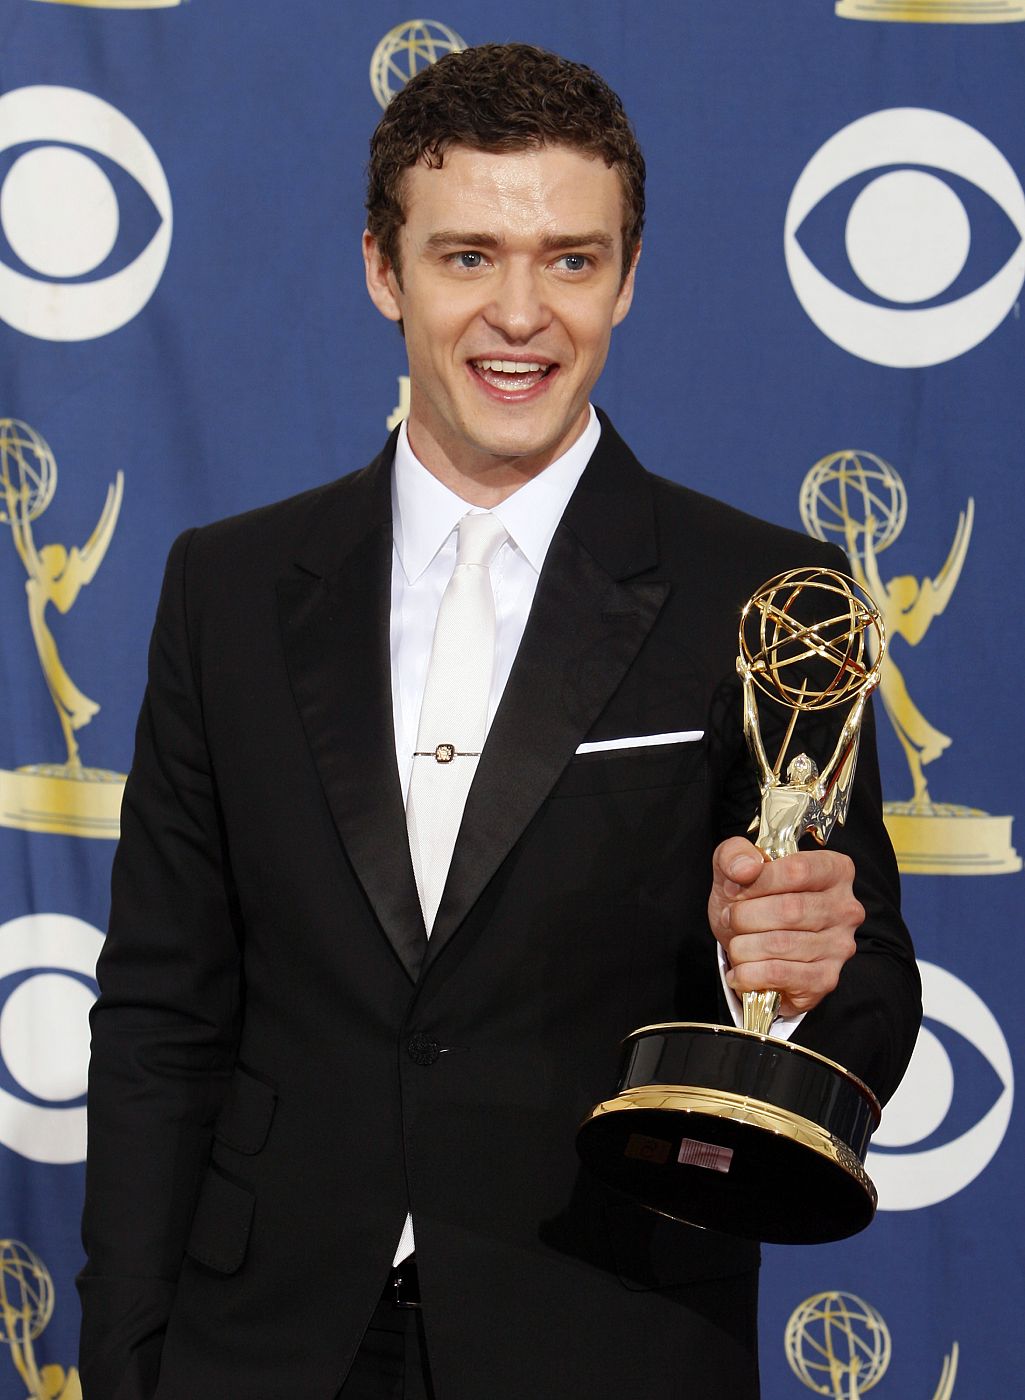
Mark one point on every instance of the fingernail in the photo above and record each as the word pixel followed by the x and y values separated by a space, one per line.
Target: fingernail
pixel 726 917
pixel 731 978
pixel 744 867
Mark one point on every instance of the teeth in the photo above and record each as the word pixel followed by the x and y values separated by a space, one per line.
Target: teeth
pixel 510 366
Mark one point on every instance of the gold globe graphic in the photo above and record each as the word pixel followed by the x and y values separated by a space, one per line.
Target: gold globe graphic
pixel 838 1345
pixel 807 637
pixel 26 1294
pixel 849 489
pixel 26 464
pixel 406 50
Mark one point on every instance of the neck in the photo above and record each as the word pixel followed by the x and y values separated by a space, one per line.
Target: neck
pixel 480 478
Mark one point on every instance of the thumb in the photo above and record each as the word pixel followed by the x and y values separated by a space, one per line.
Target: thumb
pixel 735 864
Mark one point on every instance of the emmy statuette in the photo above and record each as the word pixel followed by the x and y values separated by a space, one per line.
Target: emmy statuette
pixel 733 1129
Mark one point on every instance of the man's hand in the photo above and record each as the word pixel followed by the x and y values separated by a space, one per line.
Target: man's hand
pixel 786 925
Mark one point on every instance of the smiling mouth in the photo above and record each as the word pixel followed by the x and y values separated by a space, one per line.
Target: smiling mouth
pixel 511 376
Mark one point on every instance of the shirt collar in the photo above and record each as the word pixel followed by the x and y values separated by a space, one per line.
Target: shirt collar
pixel 425 512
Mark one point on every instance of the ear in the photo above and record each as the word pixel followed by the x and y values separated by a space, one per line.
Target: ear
pixel 382 284
pixel 626 291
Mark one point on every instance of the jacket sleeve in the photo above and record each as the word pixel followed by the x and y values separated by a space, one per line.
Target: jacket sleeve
pixel 165 1027
pixel 870 1022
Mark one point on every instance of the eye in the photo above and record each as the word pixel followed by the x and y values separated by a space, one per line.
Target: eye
pixel 47 988
pixel 469 260
pixel 80 189
pixel 573 262
pixel 947 1120
pixel 928 205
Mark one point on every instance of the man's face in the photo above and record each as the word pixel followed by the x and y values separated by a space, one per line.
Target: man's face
pixel 511 283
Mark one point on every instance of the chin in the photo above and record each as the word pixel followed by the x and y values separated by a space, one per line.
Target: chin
pixel 518 444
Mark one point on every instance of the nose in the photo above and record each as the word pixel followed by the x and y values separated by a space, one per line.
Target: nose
pixel 519 307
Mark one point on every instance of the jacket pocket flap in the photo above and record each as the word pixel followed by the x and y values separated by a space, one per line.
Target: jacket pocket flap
pixel 245 1118
pixel 221 1224
pixel 620 770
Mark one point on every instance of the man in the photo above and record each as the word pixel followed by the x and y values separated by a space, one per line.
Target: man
pixel 331 1029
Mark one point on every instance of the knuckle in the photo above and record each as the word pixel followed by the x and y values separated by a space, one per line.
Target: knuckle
pixel 738 920
pixel 799 870
pixel 782 944
pixel 792 909
pixel 829 978
pixel 778 973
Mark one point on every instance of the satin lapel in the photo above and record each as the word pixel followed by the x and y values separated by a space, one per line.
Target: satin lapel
pixel 334 621
pixel 596 601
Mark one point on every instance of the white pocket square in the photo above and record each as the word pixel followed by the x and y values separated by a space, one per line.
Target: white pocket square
pixel 643 741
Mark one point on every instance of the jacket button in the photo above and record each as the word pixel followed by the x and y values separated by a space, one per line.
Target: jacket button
pixel 423 1049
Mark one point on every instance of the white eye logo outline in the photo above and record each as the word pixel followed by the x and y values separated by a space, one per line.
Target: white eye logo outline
pixel 83 310
pixel 46 942
pixel 913 1180
pixel 913 338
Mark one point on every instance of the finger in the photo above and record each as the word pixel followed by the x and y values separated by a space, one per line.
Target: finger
pixel 801 985
pixel 736 864
pixel 804 870
pixel 807 912
pixel 787 946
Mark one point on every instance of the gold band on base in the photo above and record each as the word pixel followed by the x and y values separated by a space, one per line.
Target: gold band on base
pixel 721 1103
pixel 661 1027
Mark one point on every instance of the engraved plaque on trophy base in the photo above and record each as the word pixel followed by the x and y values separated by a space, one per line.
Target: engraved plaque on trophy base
pixel 735 1131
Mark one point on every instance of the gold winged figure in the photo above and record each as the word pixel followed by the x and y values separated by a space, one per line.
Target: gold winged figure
pixel 57 575
pixel 908 607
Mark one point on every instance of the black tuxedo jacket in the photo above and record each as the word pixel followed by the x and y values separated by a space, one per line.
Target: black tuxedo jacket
pixel 282 1065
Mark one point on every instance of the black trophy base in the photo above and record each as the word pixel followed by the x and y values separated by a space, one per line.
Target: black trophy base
pixel 737 1132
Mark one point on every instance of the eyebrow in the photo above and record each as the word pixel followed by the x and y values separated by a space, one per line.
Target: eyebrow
pixel 455 238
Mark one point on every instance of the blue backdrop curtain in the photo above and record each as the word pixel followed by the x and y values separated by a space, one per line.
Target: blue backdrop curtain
pixel 826 331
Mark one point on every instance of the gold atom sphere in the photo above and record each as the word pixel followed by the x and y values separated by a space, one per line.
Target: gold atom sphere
pixel 406 50
pixel 850 489
pixel 26 1293
pixel 837 1335
pixel 27 464
pixel 804 637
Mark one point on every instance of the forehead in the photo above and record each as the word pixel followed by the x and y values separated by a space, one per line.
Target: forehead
pixel 530 191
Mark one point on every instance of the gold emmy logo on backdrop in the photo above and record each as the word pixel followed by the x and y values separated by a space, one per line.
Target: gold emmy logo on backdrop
pixel 115 4
pixel 407 49
pixel 26 1306
pixel 66 798
pixel 401 409
pixel 839 1345
pixel 934 11
pixel 860 499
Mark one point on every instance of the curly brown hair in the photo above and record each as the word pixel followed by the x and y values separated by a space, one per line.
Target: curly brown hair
pixel 499 97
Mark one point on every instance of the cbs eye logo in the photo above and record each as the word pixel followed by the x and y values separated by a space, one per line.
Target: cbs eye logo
pixel 61 215
pixel 908 236
pixel 47 989
pixel 931 1142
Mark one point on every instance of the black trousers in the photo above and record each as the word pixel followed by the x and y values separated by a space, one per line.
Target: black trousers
pixel 391 1363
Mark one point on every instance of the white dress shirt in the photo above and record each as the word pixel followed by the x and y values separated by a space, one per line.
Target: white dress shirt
pixel 425 514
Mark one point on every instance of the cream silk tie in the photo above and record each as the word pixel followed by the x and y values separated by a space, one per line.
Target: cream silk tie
pixel 454 714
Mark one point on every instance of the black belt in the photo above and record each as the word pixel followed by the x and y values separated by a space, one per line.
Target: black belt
pixel 403 1287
